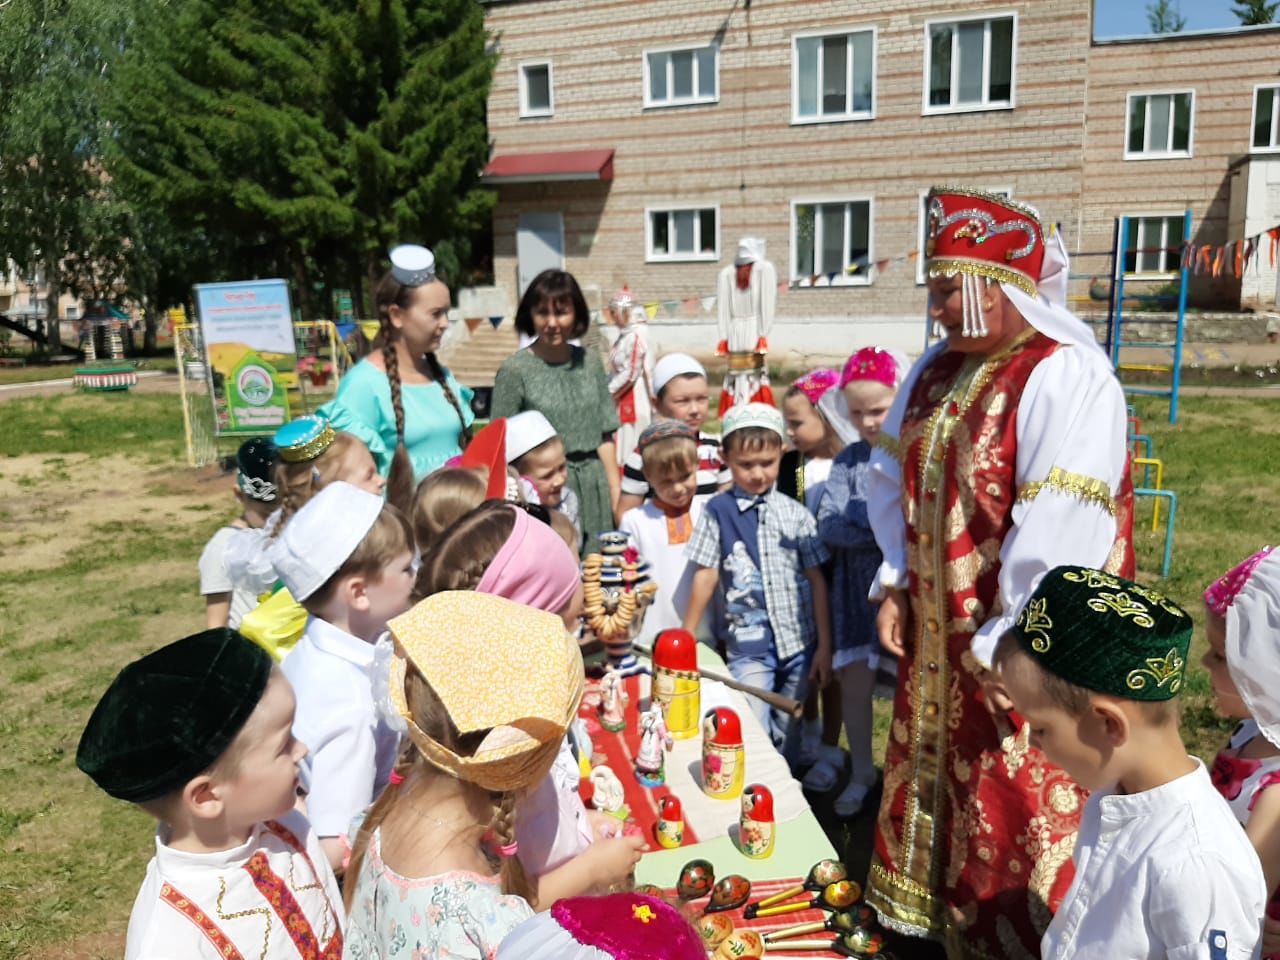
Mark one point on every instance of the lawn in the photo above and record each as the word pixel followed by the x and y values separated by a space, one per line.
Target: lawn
pixel 101 525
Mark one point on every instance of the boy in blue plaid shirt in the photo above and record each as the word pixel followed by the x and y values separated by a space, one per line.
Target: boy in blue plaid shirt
pixel 762 548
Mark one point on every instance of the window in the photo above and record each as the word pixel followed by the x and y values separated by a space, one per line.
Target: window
pixel 1266 118
pixel 536 99
pixel 1159 125
pixel 1154 245
pixel 830 242
pixel 73 313
pixel 833 77
pixel 682 233
pixel 674 78
pixel 923 215
pixel 969 64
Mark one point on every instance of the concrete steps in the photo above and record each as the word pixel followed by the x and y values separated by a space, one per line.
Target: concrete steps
pixel 474 358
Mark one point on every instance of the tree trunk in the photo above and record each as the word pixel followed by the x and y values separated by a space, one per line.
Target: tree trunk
pixel 53 326
pixel 149 326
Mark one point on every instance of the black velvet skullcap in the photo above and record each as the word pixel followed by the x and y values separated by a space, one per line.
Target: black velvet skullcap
pixel 169 716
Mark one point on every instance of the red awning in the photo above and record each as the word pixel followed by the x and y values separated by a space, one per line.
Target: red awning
pixel 544 167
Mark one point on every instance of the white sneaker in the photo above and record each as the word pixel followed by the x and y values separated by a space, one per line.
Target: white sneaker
pixel 825 773
pixel 851 798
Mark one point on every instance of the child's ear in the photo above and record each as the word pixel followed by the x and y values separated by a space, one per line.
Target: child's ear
pixel 201 798
pixel 355 591
pixel 1114 721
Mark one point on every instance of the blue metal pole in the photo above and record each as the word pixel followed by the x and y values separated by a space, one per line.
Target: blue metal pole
pixel 1183 274
pixel 1117 291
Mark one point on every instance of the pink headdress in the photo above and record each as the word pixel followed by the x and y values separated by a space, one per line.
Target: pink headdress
pixel 871 363
pixel 534 567
pixel 817 382
pixel 620 926
pixel 1223 591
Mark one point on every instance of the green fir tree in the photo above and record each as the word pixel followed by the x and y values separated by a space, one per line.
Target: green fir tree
pixel 1254 12
pixel 1164 16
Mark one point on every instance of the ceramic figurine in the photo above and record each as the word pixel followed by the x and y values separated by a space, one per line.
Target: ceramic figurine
pixel 616 591
pixel 654 738
pixel 722 755
pixel 612 700
pixel 676 681
pixel 669 830
pixel 607 796
pixel 755 826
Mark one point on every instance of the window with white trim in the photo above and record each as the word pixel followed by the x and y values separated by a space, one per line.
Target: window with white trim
pixel 73 312
pixel 923 227
pixel 682 233
pixel 831 242
pixel 1266 118
pixel 674 78
pixel 969 64
pixel 536 96
pixel 1154 245
pixel 833 77
pixel 1159 125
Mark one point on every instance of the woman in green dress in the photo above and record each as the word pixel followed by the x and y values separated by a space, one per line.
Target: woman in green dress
pixel 569 387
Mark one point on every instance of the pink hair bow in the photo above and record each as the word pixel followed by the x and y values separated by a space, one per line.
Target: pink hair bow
pixel 871 363
pixel 1223 591
pixel 817 382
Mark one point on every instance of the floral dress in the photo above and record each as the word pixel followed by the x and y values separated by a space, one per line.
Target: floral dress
pixel 451 916
pixel 1241 781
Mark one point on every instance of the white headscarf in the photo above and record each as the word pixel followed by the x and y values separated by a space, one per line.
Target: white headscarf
pixel 1047 311
pixel 1253 645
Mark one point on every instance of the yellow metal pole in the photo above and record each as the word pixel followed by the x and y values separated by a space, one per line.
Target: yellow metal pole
pixel 182 390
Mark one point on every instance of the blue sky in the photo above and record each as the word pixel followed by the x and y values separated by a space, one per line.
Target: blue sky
pixel 1124 18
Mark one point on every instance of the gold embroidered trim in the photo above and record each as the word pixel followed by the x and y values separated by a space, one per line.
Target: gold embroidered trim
pixel 1086 489
pixel 982 268
pixel 1163 670
pixel 890 445
pixel 302 452
pixel 1012 204
pixel 1035 619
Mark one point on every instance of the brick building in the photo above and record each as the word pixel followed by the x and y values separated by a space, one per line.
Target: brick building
pixel 637 141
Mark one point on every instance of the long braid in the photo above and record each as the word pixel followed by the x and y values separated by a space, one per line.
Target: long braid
pixel 515 881
pixel 374 818
pixel 438 375
pixel 400 478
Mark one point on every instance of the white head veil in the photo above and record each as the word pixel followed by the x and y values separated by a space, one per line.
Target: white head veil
pixel 1253 645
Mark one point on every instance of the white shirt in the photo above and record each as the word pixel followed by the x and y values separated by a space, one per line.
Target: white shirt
pixel 351 751
pixel 646 526
pixel 215 578
pixel 1163 873
pixel 817 471
pixel 182 887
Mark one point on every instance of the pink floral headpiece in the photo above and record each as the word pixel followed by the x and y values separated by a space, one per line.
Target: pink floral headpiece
pixel 1223 591
pixel 871 363
pixel 817 382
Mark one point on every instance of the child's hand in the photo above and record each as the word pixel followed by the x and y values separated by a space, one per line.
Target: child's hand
pixel 892 621
pixel 603 826
pixel 1270 936
pixel 820 670
pixel 612 861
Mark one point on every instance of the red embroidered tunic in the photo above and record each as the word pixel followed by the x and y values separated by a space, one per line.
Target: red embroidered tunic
pixel 976 828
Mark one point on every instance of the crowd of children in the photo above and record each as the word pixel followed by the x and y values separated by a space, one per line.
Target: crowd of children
pixel 402 720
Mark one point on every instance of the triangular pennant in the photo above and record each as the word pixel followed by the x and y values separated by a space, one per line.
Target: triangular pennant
pixel 783 285
pixel 370 329
pixel 651 310
pixel 473 322
pixel 671 306
pixel 882 266
pixel 496 321
pixel 708 304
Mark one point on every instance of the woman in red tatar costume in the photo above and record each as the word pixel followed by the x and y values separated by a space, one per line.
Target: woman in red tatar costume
pixel 1003 456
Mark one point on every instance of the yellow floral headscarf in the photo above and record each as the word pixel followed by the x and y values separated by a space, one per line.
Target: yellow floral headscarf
pixel 496 666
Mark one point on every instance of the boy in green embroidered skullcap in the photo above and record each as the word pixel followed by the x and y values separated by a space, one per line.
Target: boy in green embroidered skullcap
pixel 1162 869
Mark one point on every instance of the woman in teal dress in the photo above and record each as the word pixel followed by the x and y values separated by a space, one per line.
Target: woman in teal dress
pixel 570 388
pixel 400 400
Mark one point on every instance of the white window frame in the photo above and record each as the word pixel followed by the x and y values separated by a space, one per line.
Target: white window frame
pixel 696 99
pixel 863 278
pixel 1124 241
pixel 696 257
pixel 848 115
pixel 922 228
pixel 928 109
pixel 72 312
pixel 527 112
pixel 1275 118
pixel 1161 154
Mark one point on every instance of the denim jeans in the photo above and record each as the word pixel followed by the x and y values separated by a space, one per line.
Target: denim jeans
pixel 788 677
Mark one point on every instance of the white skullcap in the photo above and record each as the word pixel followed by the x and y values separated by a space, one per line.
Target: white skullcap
pixel 674 365
pixel 322 536
pixel 526 431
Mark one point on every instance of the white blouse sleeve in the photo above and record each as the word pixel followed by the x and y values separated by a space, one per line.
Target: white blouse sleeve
pixel 1069 466
pixel 884 488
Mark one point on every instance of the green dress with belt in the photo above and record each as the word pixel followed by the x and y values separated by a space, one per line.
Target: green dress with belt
pixel 574 397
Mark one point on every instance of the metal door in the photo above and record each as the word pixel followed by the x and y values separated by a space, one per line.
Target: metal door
pixel 539 245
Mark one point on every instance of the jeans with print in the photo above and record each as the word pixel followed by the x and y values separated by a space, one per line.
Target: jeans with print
pixel 788 677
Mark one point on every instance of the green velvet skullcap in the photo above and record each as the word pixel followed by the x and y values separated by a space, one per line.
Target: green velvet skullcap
pixel 1106 634
pixel 169 716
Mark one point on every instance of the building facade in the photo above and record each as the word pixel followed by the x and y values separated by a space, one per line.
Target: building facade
pixel 636 142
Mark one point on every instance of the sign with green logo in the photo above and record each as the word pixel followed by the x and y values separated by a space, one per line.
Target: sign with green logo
pixel 346 309
pixel 248 339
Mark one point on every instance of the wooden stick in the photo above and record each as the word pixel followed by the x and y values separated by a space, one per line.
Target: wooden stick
pixel 785 704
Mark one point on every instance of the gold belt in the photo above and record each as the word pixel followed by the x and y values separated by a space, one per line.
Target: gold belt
pixel 746 361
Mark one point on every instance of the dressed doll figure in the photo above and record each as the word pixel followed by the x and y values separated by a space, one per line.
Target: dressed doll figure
pixel 654 738
pixel 747 296
pixel 612 698
pixel 630 369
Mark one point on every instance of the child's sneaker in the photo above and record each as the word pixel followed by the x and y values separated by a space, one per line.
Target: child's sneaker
pixel 825 773
pixel 810 743
pixel 851 799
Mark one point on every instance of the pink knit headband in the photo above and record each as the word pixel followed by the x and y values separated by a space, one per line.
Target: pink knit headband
pixel 871 363
pixel 534 567
pixel 1223 591
pixel 817 382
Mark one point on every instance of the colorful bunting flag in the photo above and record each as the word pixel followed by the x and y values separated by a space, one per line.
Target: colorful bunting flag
pixel 496 321
pixel 473 322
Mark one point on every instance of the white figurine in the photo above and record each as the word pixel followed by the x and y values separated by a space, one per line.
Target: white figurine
pixel 654 738
pixel 607 795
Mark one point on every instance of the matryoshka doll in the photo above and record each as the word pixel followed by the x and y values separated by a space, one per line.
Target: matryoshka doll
pixel 669 829
pixel 676 681
pixel 722 755
pixel 756 826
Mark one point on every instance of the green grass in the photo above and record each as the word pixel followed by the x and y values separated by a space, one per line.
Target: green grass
pixel 71 858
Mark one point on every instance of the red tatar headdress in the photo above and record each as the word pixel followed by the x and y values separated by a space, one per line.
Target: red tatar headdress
pixel 983 235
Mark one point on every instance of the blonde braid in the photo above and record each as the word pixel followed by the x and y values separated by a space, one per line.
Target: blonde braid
pixel 515 881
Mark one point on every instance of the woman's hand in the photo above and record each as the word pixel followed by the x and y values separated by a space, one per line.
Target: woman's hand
pixel 893 620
